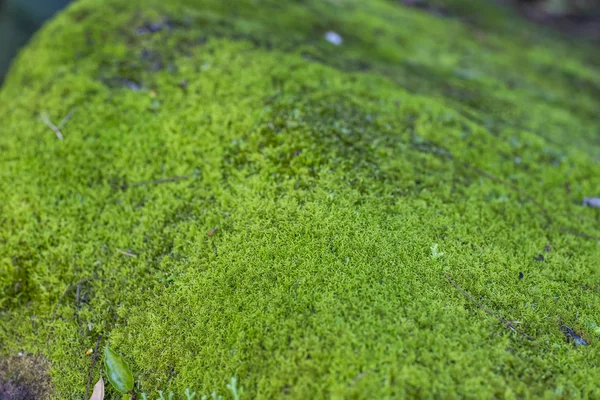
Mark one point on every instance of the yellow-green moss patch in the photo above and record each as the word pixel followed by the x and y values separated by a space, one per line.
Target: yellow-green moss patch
pixel 236 196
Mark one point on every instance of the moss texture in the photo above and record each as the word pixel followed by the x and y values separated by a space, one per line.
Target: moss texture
pixel 236 196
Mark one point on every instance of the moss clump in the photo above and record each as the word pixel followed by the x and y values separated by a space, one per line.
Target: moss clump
pixel 235 196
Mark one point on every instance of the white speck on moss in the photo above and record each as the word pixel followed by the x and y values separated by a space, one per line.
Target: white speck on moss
pixel 334 38
pixel 435 253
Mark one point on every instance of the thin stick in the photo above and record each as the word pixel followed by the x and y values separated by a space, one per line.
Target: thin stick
pixel 74 285
pixel 87 388
pixel 512 187
pixel 584 287
pixel 156 182
pixel 66 119
pixel 126 253
pixel 530 198
pixel 77 295
pixel 56 130
pixel 508 324
pixel 580 234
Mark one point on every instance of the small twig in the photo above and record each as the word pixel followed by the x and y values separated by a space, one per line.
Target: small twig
pixel 580 234
pixel 531 199
pixel 126 253
pixel 66 119
pixel 156 182
pixel 74 285
pixel 511 187
pixel 585 287
pixel 87 388
pixel 55 129
pixel 509 324
pixel 77 295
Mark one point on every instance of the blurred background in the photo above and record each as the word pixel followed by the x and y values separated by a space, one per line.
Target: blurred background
pixel 19 19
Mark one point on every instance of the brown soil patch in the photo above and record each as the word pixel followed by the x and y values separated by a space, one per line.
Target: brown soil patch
pixel 24 377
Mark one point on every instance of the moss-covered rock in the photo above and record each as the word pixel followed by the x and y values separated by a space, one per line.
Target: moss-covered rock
pixel 396 215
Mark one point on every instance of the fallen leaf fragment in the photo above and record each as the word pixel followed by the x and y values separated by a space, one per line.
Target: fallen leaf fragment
pixel 98 393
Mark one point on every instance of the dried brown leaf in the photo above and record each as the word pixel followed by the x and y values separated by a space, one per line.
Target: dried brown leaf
pixel 98 393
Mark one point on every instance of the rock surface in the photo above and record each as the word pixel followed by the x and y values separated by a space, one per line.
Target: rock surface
pixel 395 211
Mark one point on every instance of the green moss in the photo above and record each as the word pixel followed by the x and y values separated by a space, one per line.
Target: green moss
pixel 294 251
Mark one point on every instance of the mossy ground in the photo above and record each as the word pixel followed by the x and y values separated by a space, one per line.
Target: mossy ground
pixel 295 251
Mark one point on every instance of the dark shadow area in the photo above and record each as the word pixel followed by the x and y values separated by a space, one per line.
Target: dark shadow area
pixel 24 377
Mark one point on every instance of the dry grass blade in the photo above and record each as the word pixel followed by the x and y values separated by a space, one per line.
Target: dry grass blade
pixel 55 129
pixel 125 252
